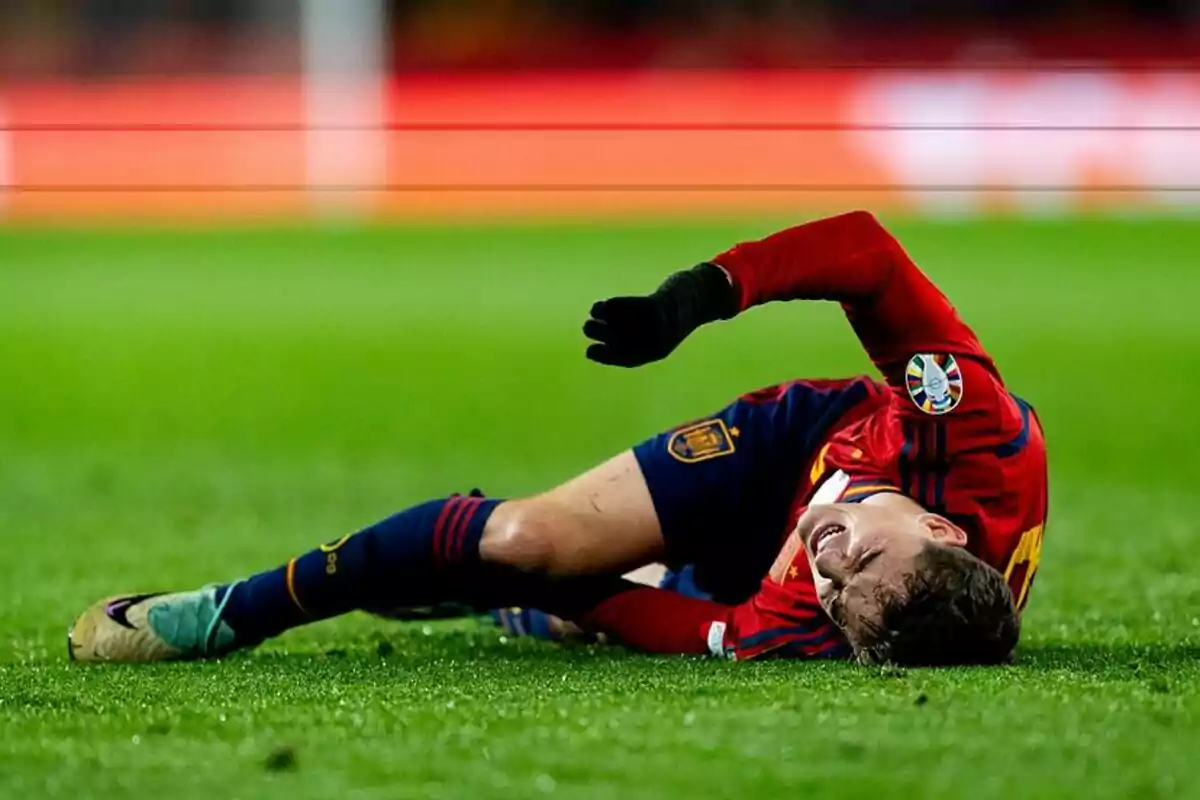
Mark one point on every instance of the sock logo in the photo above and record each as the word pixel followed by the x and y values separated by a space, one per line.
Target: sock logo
pixel 329 548
pixel 330 551
pixel 935 382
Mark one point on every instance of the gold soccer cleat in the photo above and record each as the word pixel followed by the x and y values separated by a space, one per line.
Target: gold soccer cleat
pixel 152 627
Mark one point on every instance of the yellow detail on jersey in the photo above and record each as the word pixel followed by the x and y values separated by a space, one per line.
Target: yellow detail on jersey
pixel 1028 552
pixel 818 468
pixel 855 492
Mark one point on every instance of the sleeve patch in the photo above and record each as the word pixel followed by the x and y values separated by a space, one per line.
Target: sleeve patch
pixel 935 382
pixel 1018 442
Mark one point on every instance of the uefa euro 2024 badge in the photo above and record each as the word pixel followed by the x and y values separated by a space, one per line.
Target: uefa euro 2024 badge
pixel 934 382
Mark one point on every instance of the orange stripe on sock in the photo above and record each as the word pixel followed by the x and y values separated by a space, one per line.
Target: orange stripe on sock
pixel 291 585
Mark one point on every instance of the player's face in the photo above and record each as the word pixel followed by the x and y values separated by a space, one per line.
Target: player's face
pixel 861 554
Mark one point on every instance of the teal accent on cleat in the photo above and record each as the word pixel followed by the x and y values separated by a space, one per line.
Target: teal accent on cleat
pixel 191 623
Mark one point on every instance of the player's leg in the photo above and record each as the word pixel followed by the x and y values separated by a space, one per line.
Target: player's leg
pixel 715 493
pixel 470 550
pixel 403 552
pixel 599 522
pixel 483 551
pixel 602 521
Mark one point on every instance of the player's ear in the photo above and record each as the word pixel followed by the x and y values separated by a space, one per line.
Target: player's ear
pixel 943 530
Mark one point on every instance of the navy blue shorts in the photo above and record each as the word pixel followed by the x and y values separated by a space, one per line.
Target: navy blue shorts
pixel 723 487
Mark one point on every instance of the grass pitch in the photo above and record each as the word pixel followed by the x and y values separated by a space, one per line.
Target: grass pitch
pixel 177 408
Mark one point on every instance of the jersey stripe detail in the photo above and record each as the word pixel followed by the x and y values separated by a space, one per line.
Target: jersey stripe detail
pixel 923 490
pixel 942 467
pixel 904 460
pixel 860 489
pixel 822 643
pixel 856 494
pixel 834 647
pixel 1018 442
pixel 804 633
pixel 923 464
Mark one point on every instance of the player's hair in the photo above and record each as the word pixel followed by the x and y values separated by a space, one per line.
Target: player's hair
pixel 954 610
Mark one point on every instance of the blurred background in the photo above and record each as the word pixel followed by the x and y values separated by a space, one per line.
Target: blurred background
pixel 271 270
pixel 468 108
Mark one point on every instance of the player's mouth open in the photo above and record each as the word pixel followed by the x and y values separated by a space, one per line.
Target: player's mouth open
pixel 822 535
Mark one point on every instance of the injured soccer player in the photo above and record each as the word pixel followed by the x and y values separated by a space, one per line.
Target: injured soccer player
pixel 893 520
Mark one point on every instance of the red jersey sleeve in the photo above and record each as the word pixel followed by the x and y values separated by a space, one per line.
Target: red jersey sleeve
pixel 783 619
pixel 932 361
pixel 656 620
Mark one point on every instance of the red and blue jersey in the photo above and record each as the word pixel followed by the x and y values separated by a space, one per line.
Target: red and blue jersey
pixel 941 428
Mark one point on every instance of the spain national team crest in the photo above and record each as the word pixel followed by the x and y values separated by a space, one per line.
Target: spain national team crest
pixel 935 382
pixel 702 441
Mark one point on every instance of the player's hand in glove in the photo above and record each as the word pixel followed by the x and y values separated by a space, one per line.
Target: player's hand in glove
pixel 631 331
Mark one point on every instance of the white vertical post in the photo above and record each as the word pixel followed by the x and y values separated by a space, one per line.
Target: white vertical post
pixel 344 86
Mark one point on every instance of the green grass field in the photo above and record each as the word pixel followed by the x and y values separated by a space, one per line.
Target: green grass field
pixel 177 408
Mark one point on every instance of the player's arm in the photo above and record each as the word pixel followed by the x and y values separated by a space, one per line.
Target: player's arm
pixel 774 622
pixel 783 619
pixel 894 308
pixel 851 259
pixel 655 620
pixel 660 621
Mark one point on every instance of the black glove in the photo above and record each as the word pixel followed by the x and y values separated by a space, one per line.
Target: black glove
pixel 631 331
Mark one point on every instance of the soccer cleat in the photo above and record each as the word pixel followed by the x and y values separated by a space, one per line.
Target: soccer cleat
pixel 152 627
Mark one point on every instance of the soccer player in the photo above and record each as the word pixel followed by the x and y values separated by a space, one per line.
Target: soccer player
pixel 897 521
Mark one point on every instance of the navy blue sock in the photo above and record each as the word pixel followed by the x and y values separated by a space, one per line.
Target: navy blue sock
pixel 424 555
